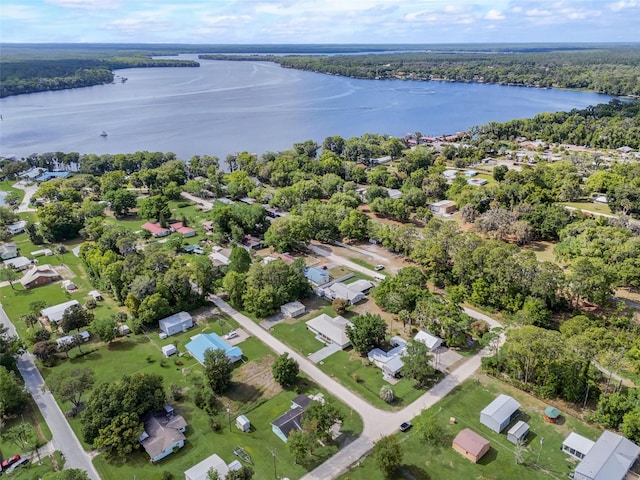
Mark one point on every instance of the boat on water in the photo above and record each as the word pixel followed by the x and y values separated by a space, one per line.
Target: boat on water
pixel 103 134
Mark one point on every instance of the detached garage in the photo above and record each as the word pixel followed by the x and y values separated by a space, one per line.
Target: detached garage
pixel 471 445
pixel 177 323
pixel 499 413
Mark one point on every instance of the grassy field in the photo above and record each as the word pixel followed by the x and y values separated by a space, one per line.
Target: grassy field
pixel 590 206
pixel 7 186
pixel 543 458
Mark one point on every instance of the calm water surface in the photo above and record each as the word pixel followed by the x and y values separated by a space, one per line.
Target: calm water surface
pixel 226 107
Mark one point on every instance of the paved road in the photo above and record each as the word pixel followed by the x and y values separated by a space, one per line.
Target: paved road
pixel 377 422
pixel 199 201
pixel 29 190
pixel 326 252
pixel 64 439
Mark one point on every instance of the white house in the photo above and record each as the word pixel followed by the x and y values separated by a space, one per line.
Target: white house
pixel 16 227
pixel 389 362
pixel 443 207
pixel 331 330
pixel 431 341
pixel 293 309
pixel 362 286
pixel 220 256
pixel 340 290
pixel 577 446
pixel 69 339
pixel 8 250
pixel 176 323
pixel 55 313
pixel 610 458
pixel 200 471
pixel 18 263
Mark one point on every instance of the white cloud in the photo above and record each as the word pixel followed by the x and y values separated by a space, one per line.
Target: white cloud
pixel 18 12
pixel 537 12
pixel 86 4
pixel 618 6
pixel 494 14
pixel 227 20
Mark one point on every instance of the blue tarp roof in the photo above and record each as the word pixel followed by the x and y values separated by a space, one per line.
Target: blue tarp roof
pixel 205 341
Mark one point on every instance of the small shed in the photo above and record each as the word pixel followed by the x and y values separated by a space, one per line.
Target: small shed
pixel 124 330
pixel 443 207
pixel 431 341
pixel 95 294
pixel 551 415
pixel 169 350
pixel 518 433
pixel 293 309
pixel 243 423
pixel 471 445
pixel 68 285
pixel 499 413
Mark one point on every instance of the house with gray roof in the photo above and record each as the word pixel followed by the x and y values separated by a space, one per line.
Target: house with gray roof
pixel 162 435
pixel 610 458
pixel 292 419
pixel 8 250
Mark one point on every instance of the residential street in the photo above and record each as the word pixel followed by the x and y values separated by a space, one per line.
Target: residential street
pixel 64 439
pixel 377 423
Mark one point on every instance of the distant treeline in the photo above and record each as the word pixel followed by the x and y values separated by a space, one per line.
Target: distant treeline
pixel 38 75
pixel 607 125
pixel 611 70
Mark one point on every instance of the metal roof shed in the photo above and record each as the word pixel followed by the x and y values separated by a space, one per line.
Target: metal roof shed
pixel 499 413
pixel 518 433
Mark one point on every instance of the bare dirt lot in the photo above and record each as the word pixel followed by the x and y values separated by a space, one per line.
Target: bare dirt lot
pixel 253 381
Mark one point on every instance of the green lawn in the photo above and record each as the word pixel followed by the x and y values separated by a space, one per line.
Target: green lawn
pixel 347 366
pixel 590 206
pixel 296 333
pixel 465 404
pixel 7 186
pixel 362 263
pixel 344 366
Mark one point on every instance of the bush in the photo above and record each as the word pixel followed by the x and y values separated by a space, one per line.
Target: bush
pixel 167 475
pixel 340 305
pixel 356 378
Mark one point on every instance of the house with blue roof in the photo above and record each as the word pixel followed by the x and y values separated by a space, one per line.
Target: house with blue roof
pixel 210 341
pixel 49 175
pixel 317 276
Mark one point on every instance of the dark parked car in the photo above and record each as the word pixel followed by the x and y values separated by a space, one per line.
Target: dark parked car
pixel 405 426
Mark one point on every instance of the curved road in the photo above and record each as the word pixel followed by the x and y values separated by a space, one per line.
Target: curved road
pixel 377 422
pixel 64 439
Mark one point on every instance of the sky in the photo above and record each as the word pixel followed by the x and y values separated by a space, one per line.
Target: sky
pixel 319 21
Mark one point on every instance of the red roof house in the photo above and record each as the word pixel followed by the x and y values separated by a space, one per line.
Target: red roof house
pixel 155 229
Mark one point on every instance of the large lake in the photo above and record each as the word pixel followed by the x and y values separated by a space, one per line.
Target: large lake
pixel 226 107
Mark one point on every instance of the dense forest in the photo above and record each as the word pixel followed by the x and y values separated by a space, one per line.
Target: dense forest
pixel 29 76
pixel 612 70
pixel 611 125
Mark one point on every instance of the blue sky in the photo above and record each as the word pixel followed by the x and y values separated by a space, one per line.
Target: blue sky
pixel 319 21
